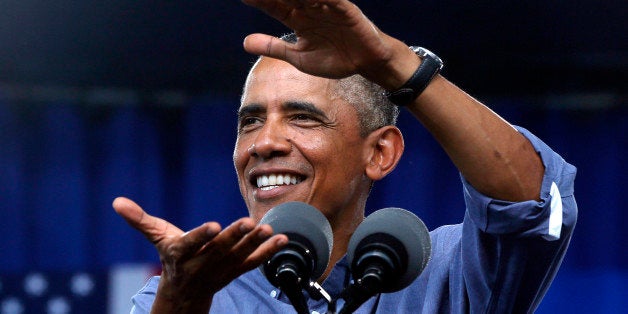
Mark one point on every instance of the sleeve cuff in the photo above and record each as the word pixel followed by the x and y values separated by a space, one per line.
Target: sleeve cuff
pixel 544 218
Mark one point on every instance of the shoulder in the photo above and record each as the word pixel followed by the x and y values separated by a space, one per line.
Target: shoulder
pixel 446 245
pixel 446 235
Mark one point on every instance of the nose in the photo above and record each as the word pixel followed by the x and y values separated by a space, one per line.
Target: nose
pixel 271 141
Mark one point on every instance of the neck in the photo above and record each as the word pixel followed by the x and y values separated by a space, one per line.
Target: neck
pixel 343 228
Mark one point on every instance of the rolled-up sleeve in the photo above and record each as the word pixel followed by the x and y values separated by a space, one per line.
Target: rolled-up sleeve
pixel 512 250
pixel 545 218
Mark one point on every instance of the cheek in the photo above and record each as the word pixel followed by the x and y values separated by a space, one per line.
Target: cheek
pixel 239 154
pixel 236 157
pixel 240 160
pixel 337 160
pixel 314 145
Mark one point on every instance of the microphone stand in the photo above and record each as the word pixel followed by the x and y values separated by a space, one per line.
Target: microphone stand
pixel 375 268
pixel 289 282
pixel 290 278
pixel 356 294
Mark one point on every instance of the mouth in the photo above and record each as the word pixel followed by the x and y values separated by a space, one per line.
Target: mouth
pixel 271 181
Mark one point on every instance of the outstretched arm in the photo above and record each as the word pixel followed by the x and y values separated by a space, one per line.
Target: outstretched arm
pixel 336 40
pixel 198 263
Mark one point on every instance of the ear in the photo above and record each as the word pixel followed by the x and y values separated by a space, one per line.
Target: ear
pixel 384 151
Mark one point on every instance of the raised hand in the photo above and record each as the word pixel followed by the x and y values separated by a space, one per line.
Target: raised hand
pixel 335 40
pixel 198 263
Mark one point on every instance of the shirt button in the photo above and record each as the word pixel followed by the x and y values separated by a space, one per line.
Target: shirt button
pixel 273 293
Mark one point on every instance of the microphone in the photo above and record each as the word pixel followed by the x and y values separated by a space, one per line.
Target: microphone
pixel 387 252
pixel 305 257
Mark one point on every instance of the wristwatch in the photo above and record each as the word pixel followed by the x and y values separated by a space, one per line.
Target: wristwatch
pixel 430 65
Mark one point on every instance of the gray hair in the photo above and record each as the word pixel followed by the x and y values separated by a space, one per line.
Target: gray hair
pixel 372 106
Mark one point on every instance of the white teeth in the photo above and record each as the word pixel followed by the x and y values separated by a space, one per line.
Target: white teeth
pixel 267 182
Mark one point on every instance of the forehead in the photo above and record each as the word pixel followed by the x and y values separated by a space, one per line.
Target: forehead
pixel 275 80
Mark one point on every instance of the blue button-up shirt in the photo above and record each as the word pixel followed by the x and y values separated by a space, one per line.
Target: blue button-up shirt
pixel 501 258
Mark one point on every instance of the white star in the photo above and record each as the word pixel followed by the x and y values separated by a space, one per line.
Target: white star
pixel 82 284
pixel 35 284
pixel 11 306
pixel 58 305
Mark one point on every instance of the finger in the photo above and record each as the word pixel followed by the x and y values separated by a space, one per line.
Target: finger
pixel 264 251
pixel 224 242
pixel 153 228
pixel 255 248
pixel 315 4
pixel 266 45
pixel 193 241
pixel 249 243
pixel 300 4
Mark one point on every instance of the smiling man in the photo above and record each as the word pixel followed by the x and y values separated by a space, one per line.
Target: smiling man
pixel 306 131
pixel 313 126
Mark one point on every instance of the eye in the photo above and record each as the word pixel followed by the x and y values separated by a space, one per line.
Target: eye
pixel 248 120
pixel 308 120
pixel 303 117
pixel 247 123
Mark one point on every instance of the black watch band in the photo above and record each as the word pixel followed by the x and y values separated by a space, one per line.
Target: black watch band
pixel 430 65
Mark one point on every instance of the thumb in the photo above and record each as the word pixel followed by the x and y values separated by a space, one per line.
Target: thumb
pixel 266 45
pixel 153 228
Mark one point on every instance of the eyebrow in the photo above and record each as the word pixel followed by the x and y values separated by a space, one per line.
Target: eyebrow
pixel 253 109
pixel 303 106
pixel 250 110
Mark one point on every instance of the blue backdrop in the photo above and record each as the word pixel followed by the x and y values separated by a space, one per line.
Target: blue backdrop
pixel 62 164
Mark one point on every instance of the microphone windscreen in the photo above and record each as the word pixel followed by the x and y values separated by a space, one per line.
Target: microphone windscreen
pixel 304 221
pixel 403 226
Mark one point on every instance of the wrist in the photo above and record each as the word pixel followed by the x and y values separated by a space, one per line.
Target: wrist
pixel 396 68
pixel 170 298
pixel 427 70
pixel 180 304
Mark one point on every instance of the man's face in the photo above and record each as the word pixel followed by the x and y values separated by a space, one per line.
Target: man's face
pixel 297 142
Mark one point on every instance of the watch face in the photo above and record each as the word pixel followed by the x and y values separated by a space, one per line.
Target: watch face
pixel 420 51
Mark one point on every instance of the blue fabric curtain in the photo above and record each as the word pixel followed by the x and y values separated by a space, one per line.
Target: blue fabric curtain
pixel 62 164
